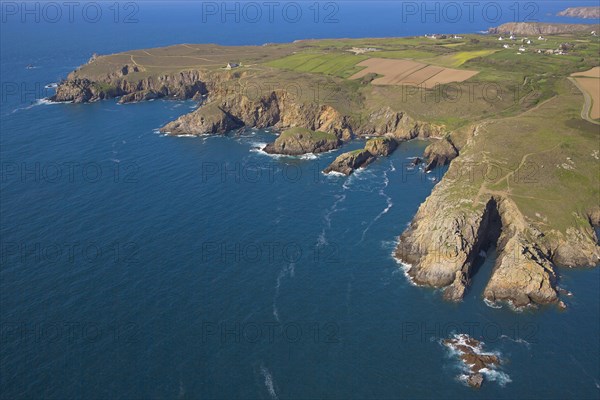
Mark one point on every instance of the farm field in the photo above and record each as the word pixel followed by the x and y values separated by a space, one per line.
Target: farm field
pixel 406 72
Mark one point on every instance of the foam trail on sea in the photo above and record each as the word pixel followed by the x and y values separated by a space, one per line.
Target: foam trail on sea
pixel 39 102
pixel 388 199
pixel 321 239
pixel 270 385
pixel 287 270
pixel 517 340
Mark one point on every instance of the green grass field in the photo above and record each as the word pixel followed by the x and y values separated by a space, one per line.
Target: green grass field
pixel 342 65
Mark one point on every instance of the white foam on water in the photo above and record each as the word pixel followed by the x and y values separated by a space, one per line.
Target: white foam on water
pixel 517 340
pixel 494 375
pixel 287 270
pixel 270 385
pixel 52 85
pixel 405 268
pixel 492 304
pixel 321 239
pixel 334 173
pixel 308 156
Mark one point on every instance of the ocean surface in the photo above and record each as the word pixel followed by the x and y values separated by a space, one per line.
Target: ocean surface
pixel 135 265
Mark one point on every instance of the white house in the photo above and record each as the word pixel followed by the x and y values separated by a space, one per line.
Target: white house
pixel 522 49
pixel 512 37
pixel 506 46
pixel 541 38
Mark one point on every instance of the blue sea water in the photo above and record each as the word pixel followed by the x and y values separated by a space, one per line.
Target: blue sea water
pixel 141 266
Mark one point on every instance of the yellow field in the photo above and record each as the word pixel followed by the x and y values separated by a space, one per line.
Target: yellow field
pixel 592 73
pixel 589 81
pixel 412 73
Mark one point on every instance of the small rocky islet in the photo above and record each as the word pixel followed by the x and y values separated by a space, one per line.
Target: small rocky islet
pixel 475 360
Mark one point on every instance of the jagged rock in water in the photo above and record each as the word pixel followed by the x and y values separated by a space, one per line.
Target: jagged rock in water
pixel 439 153
pixel 211 120
pixel 381 146
pixel 297 141
pixel 474 358
pixel 347 163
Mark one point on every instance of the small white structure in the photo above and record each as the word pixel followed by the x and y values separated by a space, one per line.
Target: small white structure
pixel 500 38
pixel 594 33
pixel 522 49
pixel 528 42
pixel 541 38
pixel 506 46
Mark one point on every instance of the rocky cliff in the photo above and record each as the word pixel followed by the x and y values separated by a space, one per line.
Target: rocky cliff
pixel 537 28
pixel 298 141
pixel 348 162
pixel 581 12
pixel 439 153
pixel 182 85
pixel 277 109
pixel 461 220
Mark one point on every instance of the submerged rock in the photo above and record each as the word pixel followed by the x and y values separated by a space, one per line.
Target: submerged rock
pixel 347 163
pixel 417 161
pixel 297 141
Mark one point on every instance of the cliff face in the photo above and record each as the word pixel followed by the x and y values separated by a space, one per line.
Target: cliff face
pixel 183 85
pixel 277 109
pixel 441 246
pixel 536 28
pixel 298 141
pixel 581 12
pixel 440 153
pixel 282 111
pixel 347 163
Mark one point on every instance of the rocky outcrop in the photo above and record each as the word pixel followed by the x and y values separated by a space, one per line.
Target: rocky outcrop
pixel 441 246
pixel 381 146
pixel 226 104
pixel 523 273
pixel 581 12
pixel 183 85
pixel 212 120
pixel 443 241
pixel 538 28
pixel 347 163
pixel 398 125
pixel 297 141
pixel 277 109
pixel 474 359
pixel 439 153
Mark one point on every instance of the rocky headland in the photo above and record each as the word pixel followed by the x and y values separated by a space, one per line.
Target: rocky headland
pixel 539 28
pixel 535 227
pixel 297 141
pixel 581 12
pixel 348 162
